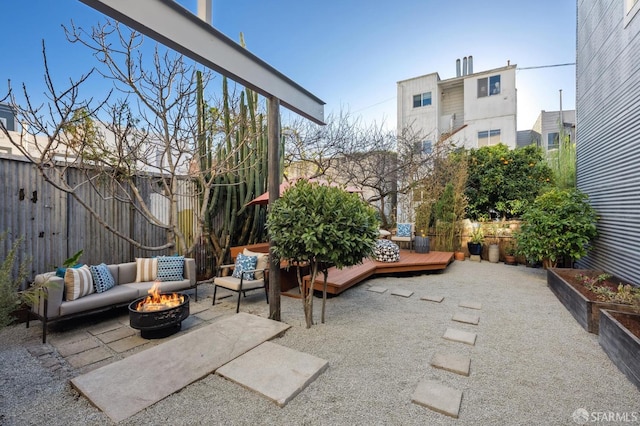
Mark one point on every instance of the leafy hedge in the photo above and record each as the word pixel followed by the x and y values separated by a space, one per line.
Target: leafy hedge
pixel 505 181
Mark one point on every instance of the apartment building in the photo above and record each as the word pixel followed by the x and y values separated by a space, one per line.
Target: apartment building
pixel 473 109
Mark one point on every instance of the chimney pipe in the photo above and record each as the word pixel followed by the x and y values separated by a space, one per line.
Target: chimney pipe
pixel 464 66
pixel 458 67
pixel 470 65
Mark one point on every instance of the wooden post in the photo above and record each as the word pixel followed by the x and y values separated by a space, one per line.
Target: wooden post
pixel 273 125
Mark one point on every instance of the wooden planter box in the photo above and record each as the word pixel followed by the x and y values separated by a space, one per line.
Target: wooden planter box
pixel 585 311
pixel 621 346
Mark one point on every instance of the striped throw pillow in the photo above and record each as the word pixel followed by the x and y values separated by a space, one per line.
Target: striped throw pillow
pixel 78 282
pixel 146 269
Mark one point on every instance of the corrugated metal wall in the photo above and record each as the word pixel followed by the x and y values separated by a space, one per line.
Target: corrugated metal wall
pixel 608 132
pixel 55 226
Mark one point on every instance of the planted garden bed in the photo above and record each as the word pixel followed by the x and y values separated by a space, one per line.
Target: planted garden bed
pixel 584 304
pixel 620 339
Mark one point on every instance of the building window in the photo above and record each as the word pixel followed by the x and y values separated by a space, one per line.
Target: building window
pixel 421 100
pixel 5 150
pixel 489 86
pixel 488 137
pixel 553 140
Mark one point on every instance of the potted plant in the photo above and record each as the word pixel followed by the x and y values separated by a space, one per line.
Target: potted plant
pixel 475 241
pixel 494 247
pixel 510 253
pixel 423 220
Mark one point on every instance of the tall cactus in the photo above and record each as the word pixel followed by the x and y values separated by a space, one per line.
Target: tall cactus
pixel 239 160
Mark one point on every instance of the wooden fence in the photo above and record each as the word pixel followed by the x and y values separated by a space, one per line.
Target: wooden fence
pixel 55 226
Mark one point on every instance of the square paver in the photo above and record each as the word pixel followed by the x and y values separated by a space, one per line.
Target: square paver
pixel 104 327
pixel 209 315
pixel 117 334
pixel 89 357
pixel 401 292
pixel 377 289
pixel 458 364
pixel 127 343
pixel 438 398
pixel 466 318
pixel 460 336
pixel 76 347
pixel 430 298
pixel 470 304
pixel 277 372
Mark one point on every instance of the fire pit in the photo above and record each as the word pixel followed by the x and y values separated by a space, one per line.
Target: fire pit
pixel 159 314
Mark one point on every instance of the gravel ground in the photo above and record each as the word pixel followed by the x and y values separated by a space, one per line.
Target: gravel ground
pixel 532 363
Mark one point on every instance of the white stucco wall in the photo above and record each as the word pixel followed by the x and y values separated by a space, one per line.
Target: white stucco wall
pixel 424 118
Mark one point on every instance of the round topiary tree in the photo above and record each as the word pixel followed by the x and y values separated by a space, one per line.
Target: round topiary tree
pixel 559 223
pixel 321 225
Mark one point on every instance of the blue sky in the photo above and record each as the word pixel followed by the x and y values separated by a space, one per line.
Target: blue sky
pixel 348 53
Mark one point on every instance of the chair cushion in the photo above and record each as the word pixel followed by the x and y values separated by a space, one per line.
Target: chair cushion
pixel 245 263
pixel 233 283
pixel 102 278
pixel 404 230
pixel 170 268
pixel 263 262
pixel 78 282
pixel 146 269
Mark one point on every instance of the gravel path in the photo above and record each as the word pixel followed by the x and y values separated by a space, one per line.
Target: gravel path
pixel 531 364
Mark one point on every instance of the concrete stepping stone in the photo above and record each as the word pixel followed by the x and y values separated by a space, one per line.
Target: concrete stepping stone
pixel 460 336
pixel 377 289
pixel 401 292
pixel 470 305
pixel 123 388
pixel 458 364
pixel 466 318
pixel 437 397
pixel 277 372
pixel 430 298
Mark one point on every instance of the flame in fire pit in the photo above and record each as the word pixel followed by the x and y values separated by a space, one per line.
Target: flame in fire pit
pixel 159 302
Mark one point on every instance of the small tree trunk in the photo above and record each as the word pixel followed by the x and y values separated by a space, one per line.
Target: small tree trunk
pixel 324 291
pixel 307 292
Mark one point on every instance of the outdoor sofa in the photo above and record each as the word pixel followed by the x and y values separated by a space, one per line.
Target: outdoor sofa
pixel 131 280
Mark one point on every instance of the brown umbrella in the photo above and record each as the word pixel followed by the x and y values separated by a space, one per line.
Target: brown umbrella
pixel 264 198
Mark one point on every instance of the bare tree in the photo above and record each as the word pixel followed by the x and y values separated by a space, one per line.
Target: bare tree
pixel 150 135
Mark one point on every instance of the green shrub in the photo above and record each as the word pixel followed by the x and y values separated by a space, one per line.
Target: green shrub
pixel 505 181
pixel 10 297
pixel 559 223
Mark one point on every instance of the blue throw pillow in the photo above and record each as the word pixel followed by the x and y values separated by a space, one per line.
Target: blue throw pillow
pixel 404 230
pixel 170 268
pixel 245 263
pixel 102 278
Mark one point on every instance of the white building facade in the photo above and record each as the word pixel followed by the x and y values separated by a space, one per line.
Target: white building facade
pixel 473 109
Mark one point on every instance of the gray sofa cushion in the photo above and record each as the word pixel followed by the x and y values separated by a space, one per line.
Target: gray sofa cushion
pixel 116 295
pixel 127 273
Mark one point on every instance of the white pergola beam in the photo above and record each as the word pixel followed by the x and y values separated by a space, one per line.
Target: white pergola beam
pixel 174 26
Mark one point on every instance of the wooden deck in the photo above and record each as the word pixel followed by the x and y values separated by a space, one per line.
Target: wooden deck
pixel 341 279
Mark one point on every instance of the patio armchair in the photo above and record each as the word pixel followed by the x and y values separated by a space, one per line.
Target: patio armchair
pixel 404 233
pixel 243 279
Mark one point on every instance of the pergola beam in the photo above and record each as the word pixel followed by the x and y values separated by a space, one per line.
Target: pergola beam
pixel 174 26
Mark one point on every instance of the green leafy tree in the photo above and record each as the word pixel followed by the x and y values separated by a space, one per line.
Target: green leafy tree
pixel 559 223
pixel 505 180
pixel 321 225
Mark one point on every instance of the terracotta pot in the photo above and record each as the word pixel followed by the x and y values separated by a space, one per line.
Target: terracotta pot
pixel 458 255
pixel 510 259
